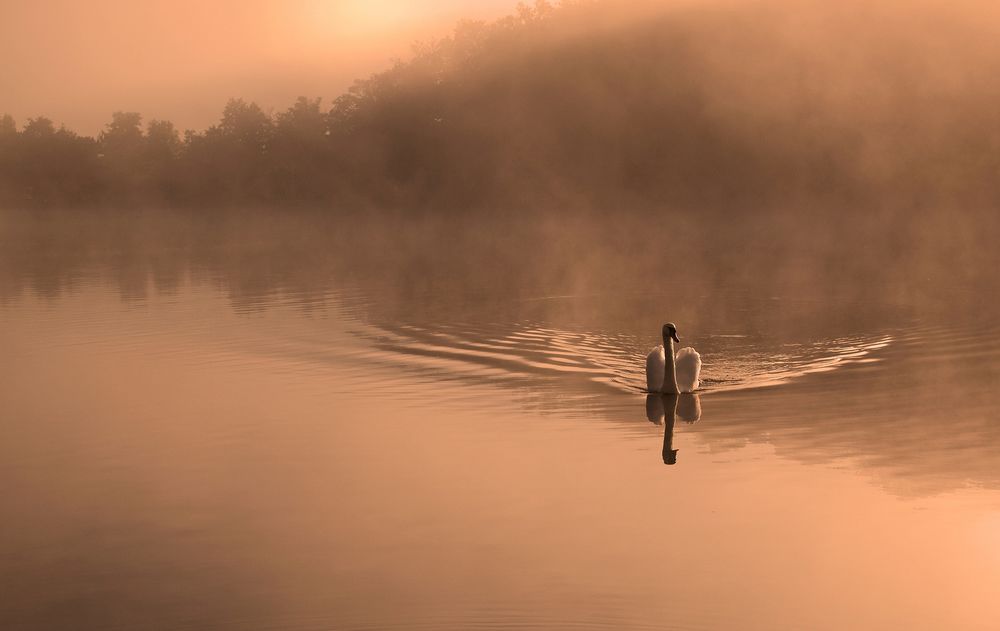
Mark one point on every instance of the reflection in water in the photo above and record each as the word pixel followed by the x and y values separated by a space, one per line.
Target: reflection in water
pixel 571 355
pixel 689 407
pixel 201 417
pixel 662 409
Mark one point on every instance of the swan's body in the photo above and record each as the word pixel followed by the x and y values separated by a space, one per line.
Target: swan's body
pixel 674 374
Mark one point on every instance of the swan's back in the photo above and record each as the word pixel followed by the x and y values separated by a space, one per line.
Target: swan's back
pixel 687 363
pixel 656 365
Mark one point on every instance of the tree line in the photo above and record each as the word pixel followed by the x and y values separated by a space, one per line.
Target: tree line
pixel 250 155
pixel 564 105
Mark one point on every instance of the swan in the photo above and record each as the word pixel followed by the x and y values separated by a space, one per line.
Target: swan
pixel 678 375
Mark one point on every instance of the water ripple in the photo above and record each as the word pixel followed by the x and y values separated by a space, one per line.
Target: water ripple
pixel 612 360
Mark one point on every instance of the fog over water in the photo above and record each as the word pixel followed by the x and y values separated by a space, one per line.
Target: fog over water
pixel 379 362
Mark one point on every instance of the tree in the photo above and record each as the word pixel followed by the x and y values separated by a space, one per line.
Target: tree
pixel 228 161
pixel 39 127
pixel 8 128
pixel 247 124
pixel 301 154
pixel 51 166
pixel 123 133
pixel 162 141
pixel 160 157
pixel 121 149
pixel 8 156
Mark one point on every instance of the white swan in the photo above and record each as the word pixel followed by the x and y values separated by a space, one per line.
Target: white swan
pixel 678 375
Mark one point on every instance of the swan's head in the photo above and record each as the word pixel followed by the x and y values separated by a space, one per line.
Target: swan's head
pixel 670 332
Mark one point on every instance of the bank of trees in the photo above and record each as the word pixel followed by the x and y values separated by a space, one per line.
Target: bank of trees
pixel 580 104
pixel 250 155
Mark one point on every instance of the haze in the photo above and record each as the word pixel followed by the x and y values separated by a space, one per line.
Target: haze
pixel 76 62
pixel 296 336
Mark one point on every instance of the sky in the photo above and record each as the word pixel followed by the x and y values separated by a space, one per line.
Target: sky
pixel 77 62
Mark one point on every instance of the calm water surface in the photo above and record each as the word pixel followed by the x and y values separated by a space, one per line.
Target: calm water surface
pixel 189 454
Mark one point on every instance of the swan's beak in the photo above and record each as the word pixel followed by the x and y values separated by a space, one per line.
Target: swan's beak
pixel 673 334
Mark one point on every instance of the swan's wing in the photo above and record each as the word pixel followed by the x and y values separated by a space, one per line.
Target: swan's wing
pixel 655 367
pixel 687 363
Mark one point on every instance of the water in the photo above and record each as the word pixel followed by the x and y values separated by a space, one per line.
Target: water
pixel 191 439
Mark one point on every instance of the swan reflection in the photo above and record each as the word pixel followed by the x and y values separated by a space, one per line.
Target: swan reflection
pixel 663 409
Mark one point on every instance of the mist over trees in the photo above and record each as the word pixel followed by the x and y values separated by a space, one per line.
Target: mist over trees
pixel 585 104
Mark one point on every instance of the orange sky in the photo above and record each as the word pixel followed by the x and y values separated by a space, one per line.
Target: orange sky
pixel 76 62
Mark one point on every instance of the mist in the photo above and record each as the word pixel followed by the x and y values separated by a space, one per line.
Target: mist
pixel 77 62
pixel 321 314
pixel 732 105
pixel 846 142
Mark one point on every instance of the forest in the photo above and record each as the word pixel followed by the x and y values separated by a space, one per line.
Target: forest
pixel 597 105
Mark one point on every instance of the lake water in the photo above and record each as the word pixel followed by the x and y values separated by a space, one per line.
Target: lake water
pixel 192 443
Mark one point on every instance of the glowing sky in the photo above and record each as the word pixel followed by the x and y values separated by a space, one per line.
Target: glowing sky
pixel 76 62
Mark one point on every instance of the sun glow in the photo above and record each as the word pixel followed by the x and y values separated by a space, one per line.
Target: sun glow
pixel 363 20
pixel 359 18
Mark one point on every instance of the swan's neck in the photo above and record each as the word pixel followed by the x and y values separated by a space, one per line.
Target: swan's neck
pixel 669 372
